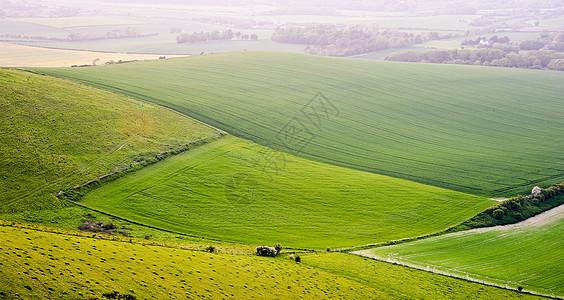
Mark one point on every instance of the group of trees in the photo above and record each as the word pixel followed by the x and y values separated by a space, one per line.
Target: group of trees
pixel 128 32
pixel 546 40
pixel 331 40
pixel 537 59
pixel 214 35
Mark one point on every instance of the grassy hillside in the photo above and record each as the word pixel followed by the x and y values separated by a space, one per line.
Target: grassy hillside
pixel 236 190
pixel 530 254
pixel 57 134
pixel 44 265
pixel 484 131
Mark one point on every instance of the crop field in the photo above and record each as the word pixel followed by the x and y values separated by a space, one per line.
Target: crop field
pixel 12 55
pixel 166 44
pixel 405 283
pixel 433 126
pixel 57 134
pixel 530 254
pixel 239 191
pixel 79 21
pixel 451 22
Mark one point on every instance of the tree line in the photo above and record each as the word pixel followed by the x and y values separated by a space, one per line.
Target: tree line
pixel 535 59
pixel 331 40
pixel 214 35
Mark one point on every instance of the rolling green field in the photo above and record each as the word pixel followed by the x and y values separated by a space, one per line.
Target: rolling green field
pixel 48 265
pixel 57 134
pixel 434 126
pixel 530 254
pixel 405 283
pixel 235 190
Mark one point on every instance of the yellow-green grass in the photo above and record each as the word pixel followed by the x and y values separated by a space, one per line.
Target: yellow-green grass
pixel 236 190
pixel 529 254
pixel 56 134
pixel 12 55
pixel 47 265
pixel 400 282
pixel 487 131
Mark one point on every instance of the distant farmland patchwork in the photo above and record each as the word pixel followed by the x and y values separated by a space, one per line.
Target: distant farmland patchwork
pixel 434 126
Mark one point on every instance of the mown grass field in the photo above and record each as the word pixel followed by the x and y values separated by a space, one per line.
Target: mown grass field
pixel 235 190
pixel 43 265
pixel 484 131
pixel 57 134
pixel 529 254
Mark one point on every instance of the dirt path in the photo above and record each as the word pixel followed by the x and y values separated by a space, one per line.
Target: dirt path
pixel 499 199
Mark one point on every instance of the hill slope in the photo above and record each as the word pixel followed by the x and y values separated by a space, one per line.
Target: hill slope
pixel 485 131
pixel 57 134
pixel 41 265
pixel 236 190
pixel 529 253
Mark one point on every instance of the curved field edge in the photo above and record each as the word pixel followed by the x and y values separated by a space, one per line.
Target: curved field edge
pixel 59 265
pixel 57 134
pixel 527 254
pixel 235 190
pixel 484 131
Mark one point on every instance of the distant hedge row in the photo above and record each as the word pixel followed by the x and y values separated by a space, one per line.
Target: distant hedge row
pixel 515 209
pixel 538 59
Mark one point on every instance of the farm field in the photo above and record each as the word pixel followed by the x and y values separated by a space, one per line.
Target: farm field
pixel 12 55
pixel 405 283
pixel 529 253
pixel 238 191
pixel 57 134
pixel 166 45
pixel 433 126
pixel 79 21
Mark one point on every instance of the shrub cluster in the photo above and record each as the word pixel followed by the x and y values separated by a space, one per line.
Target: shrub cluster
pixel 269 251
pixel 101 227
pixel 117 295
pixel 516 209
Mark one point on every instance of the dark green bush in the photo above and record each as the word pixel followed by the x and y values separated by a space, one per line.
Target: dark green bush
pixel 498 214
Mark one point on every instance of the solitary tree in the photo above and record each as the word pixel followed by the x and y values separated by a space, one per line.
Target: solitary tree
pixel 254 37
